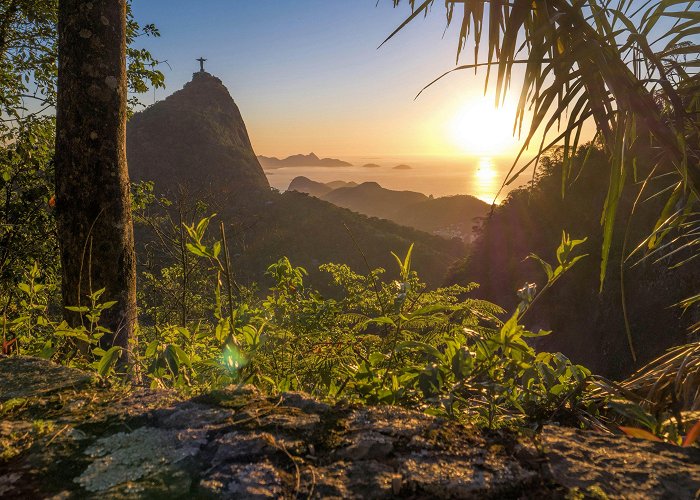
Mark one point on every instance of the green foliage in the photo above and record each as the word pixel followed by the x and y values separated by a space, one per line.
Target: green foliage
pixel 563 254
pixel 28 72
pixel 27 225
pixel 389 342
pixel 379 341
pixel 586 321
pixel 40 331
pixel 28 67
pixel 565 261
pixel 172 279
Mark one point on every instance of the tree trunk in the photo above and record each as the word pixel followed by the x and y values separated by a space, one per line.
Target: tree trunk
pixel 93 202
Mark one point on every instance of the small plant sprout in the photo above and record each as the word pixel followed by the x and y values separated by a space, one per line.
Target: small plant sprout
pixel 565 261
pixel 528 292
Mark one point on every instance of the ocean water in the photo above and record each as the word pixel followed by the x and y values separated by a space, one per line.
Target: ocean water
pixel 438 176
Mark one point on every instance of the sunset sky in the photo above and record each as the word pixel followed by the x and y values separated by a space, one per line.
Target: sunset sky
pixel 308 76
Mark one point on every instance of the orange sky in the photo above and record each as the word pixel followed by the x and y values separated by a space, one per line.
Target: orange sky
pixel 307 76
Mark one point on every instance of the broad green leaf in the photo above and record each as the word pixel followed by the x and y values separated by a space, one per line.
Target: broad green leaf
pixel 545 265
pixel 78 309
pixel 541 333
pixel 381 320
pixel 151 348
pixel 198 250
pixel 108 361
pixel 376 358
pixel 421 346
pixel 182 356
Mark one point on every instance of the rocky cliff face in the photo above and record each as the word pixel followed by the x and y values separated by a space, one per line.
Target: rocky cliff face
pixel 63 435
pixel 195 138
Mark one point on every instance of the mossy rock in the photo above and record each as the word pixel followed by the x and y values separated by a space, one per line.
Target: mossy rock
pixel 69 438
pixel 22 377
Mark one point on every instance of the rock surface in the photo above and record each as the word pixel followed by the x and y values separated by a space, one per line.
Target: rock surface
pixel 195 138
pixel 66 436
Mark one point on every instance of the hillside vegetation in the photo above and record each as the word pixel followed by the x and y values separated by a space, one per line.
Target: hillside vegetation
pixel 449 216
pixel 373 200
pixel 591 325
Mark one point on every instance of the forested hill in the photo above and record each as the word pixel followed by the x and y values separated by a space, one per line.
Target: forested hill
pixel 265 227
pixel 195 149
pixel 588 326
pixel 448 216
pixel 312 232
pixel 372 199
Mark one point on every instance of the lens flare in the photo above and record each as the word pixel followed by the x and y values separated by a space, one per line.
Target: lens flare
pixel 233 359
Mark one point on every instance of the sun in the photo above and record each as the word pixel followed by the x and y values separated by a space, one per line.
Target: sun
pixel 481 129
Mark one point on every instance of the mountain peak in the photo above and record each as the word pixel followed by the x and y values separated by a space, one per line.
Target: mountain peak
pixel 195 138
pixel 201 76
pixel 204 78
pixel 205 91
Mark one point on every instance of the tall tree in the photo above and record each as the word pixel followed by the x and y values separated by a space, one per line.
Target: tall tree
pixel 28 73
pixel 93 204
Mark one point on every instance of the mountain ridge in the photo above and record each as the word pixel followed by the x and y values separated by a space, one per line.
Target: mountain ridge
pixel 449 216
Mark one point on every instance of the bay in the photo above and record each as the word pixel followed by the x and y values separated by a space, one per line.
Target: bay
pixel 481 177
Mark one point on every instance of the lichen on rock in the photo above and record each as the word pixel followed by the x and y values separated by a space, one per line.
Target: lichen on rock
pixel 128 457
pixel 100 442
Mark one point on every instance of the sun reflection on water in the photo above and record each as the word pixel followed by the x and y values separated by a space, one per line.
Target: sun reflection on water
pixel 485 180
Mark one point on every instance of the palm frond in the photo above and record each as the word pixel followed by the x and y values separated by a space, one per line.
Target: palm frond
pixel 668 383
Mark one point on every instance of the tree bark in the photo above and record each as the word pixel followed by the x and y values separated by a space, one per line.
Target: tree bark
pixel 93 201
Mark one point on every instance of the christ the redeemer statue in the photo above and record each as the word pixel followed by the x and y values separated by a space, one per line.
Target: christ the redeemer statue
pixel 201 64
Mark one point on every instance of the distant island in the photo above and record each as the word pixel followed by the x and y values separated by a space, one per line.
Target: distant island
pixel 371 165
pixel 403 167
pixel 310 160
